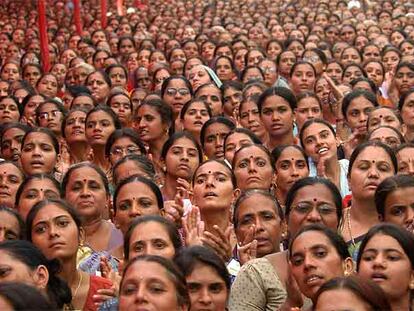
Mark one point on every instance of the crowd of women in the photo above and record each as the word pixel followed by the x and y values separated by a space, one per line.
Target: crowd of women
pixel 208 155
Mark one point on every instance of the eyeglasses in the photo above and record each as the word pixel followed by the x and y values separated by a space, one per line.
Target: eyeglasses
pixel 268 70
pixel 183 91
pixel 119 151
pixel 305 208
pixel 46 115
pixel 311 59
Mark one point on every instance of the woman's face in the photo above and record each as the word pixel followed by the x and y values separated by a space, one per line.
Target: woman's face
pixel 307 108
pixel 407 49
pixel 159 78
pixel 98 87
pixel 214 140
pixel 351 73
pixel 405 159
pixel 314 261
pixel 55 233
pixel 319 142
pixel 134 199
pixel 390 60
pixel 287 60
pixel 386 136
pixel 9 111
pixel 357 114
pixel 10 72
pixel 253 74
pixel 399 208
pixel 385 262
pixel 341 299
pixel 277 116
pixel 213 188
pixel 231 100
pixel 404 79
pixel 273 50
pixel 99 126
pixel 122 147
pixel 32 74
pixel 257 217
pixel 48 86
pixel 250 118
pixel 151 238
pixel 195 117
pixel 233 143
pixel 176 95
pixel 312 204
pixel 212 96
pixel 290 167
pixel 9 230
pixel 38 154
pixel 303 78
pixel 118 77
pixel 407 111
pixel 86 191
pixel 150 125
pixel 51 117
pixel 182 159
pixel 296 48
pixel 10 179
pixel 375 73
pixel 207 288
pixel 12 144
pixel 253 169
pixel 224 69
pixel 198 76
pixel 370 168
pixel 35 191
pixel 349 56
pixel 334 71
pixel 75 127
pixel 148 285
pixel 121 105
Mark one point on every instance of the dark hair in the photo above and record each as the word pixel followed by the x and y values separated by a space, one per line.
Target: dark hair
pixel 354 65
pixel 108 110
pixel 364 289
pixel 403 98
pixel 30 178
pixel 12 125
pixel 403 237
pixel 173 273
pixel 307 94
pixel 113 66
pixel 279 57
pixel 388 186
pixel 377 144
pixel 118 93
pixel 346 102
pixel 241 130
pixel 57 105
pixel 45 131
pixel 15 214
pixel 301 62
pixel 218 119
pixel 334 238
pixel 167 81
pixel 283 92
pixel 140 160
pixel 251 67
pixel 313 121
pixel 310 181
pixel 190 257
pixel 371 83
pixel 121 133
pixel 231 84
pixel 170 227
pixel 277 152
pixel 188 104
pixel 29 97
pixel 23 297
pixel 176 136
pixel 162 108
pixel 252 192
pixel 148 182
pixel 40 205
pixel 77 166
pixel 25 252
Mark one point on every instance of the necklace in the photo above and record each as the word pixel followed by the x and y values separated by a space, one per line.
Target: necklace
pixel 348 219
pixel 79 284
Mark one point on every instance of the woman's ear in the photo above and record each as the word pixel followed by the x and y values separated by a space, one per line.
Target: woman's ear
pixel 236 194
pixel 348 266
pixel 41 276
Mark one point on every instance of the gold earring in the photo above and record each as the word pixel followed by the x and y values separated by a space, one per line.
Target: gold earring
pixel 411 284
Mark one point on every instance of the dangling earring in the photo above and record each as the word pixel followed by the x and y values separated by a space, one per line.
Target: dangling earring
pixel 411 284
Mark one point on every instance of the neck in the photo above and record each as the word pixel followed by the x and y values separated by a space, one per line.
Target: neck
pixel 69 271
pixel 170 187
pixel 275 141
pixel 332 170
pixel 281 196
pixel 329 116
pixel 401 303
pixel 364 211
pixel 91 225
pixel 220 218
pixel 409 134
pixel 79 151
pixel 99 156
pixel 155 147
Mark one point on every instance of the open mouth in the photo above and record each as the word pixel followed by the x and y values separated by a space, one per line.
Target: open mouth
pixel 210 195
pixel 323 150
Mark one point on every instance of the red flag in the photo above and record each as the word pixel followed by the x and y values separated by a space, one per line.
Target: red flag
pixel 77 17
pixel 104 8
pixel 44 44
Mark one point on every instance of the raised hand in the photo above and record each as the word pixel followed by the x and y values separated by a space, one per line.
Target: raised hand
pixel 248 249
pixel 174 210
pixel 219 241
pixel 193 227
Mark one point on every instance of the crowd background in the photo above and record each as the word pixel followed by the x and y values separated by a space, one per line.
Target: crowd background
pixel 207 155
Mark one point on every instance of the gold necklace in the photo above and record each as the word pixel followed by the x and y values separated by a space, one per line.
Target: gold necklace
pixel 348 218
pixel 79 284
